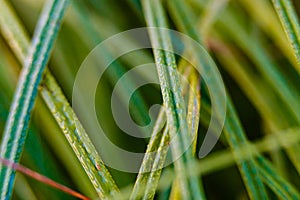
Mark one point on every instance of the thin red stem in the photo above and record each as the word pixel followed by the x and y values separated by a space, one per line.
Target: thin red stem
pixel 42 178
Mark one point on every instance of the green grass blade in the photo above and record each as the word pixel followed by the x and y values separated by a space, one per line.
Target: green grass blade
pixel 18 120
pixel 267 172
pixel 250 83
pixel 218 160
pixel 221 160
pixel 268 69
pixel 93 38
pixel 33 156
pixel 63 151
pixel 236 137
pixel 36 154
pixel 158 164
pixel 11 31
pixel 265 64
pixel 96 33
pixel 290 22
pixel 265 16
pixel 230 26
pixel 171 91
pixel 194 109
pixel 155 145
pixel 62 112
pixel 193 116
pixel 268 108
pixel 78 138
pixel 145 169
pixel 146 183
pixel 279 186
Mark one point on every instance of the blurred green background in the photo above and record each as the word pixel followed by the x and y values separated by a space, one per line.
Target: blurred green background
pixel 243 37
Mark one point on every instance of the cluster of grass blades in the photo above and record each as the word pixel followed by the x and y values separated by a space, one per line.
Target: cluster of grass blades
pixel 255 45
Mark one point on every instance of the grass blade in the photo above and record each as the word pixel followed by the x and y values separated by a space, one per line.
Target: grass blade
pixel 247 151
pixel 155 145
pixel 193 116
pixel 268 69
pixel 229 25
pixel 146 183
pixel 223 159
pixel 15 36
pixel 290 23
pixel 218 160
pixel 236 136
pixel 18 121
pixel 118 69
pixel 264 62
pixel 194 109
pixel 263 14
pixel 78 138
pixel 145 169
pixel 173 100
pixel 279 186
pixel 35 154
pixel 246 79
pixel 62 112
pixel 234 131
pixel 157 166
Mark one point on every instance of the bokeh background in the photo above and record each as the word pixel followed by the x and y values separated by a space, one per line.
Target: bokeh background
pixel 242 36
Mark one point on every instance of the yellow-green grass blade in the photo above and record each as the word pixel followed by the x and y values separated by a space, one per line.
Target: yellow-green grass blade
pixel 18 120
pixel 290 22
pixel 61 110
pixel 269 109
pixel 237 136
pixel 173 100
pixel 264 15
